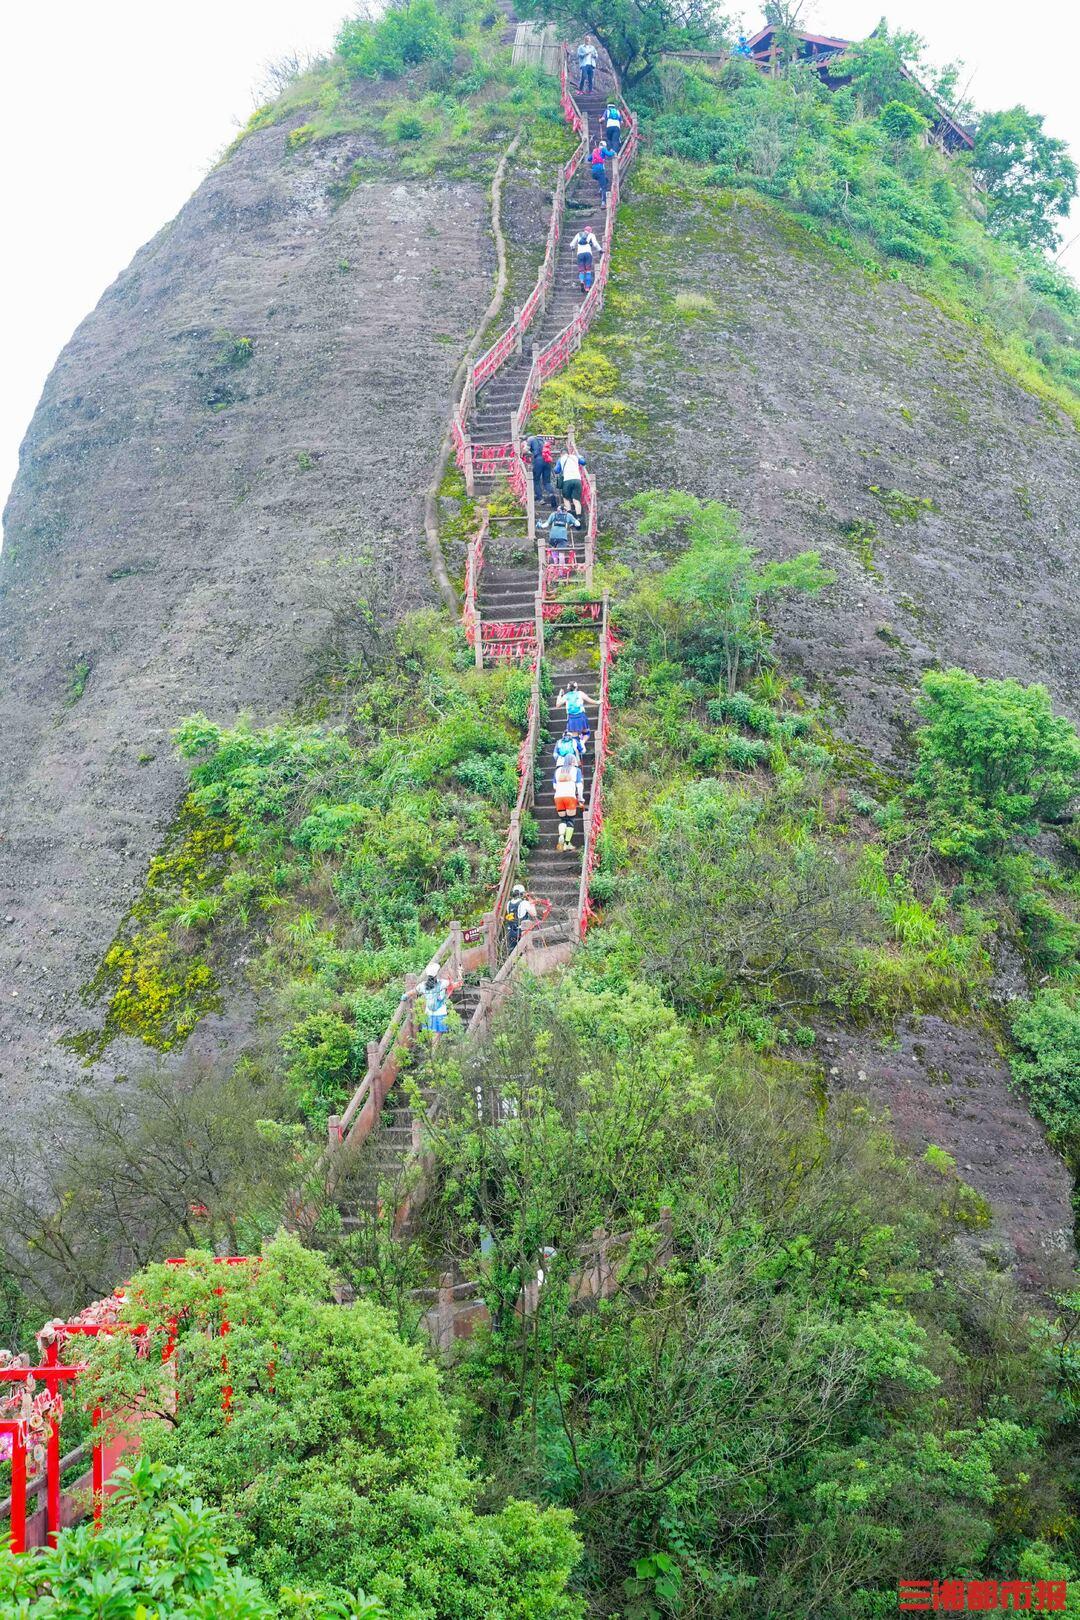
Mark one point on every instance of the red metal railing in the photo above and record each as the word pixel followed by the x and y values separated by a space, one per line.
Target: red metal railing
pixel 594 816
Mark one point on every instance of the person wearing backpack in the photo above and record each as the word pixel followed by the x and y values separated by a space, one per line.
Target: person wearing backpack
pixel 584 246
pixel 435 992
pixel 542 459
pixel 569 798
pixel 599 156
pixel 567 747
pixel 613 126
pixel 573 700
pixel 520 909
pixel 568 476
pixel 558 527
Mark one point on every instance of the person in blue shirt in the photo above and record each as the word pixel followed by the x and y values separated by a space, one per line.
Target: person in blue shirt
pixel 573 700
pixel 436 992
pixel 558 527
pixel 742 48
pixel 600 155
pixel 613 125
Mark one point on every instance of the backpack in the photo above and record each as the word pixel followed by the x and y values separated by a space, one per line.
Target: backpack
pixel 612 115
pixel 547 455
pixel 566 774
pixel 597 159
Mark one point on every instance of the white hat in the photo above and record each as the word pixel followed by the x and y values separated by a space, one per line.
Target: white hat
pixel 432 969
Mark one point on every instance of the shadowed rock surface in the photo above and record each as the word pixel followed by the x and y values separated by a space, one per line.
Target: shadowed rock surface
pixel 193 518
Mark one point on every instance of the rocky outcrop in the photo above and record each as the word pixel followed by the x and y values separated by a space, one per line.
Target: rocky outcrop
pixel 219 455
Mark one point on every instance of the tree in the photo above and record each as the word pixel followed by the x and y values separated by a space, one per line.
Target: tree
pixel 636 33
pixel 1047 1030
pixel 994 762
pixel 716 590
pixel 185 1155
pixel 337 1461
pixel 902 121
pixel 161 1552
pixel 724 903
pixel 1030 177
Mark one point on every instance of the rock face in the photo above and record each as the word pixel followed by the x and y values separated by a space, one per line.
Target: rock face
pixel 789 383
pixel 778 377
pixel 252 410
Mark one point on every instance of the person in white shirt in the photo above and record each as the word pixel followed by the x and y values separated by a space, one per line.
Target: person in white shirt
pixel 587 60
pixel 568 472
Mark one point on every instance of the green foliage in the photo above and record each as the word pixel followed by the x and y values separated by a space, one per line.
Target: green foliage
pixel 636 33
pixel 77 684
pixel 1029 175
pixel 902 121
pixel 732 898
pixel 391 820
pixel 161 1551
pixel 338 1465
pixel 200 1153
pixel 900 507
pixel 404 36
pixel 885 201
pixel 799 1377
pixel 714 598
pixel 994 762
pixel 1047 1031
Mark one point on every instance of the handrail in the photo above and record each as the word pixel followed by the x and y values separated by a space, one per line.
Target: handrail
pixel 594 815
pixel 474 563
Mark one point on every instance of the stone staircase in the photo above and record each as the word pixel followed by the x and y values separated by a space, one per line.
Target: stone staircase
pixel 550 872
pixel 490 422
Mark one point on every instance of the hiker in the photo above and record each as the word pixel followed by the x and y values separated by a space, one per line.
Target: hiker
pixel 520 909
pixel 585 246
pixel 567 747
pixel 568 476
pixel 543 458
pixel 573 700
pixel 558 527
pixel 599 156
pixel 613 125
pixel 587 59
pixel 569 798
pixel 436 992
pixel 742 48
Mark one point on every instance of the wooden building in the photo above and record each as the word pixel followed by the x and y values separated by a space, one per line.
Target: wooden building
pixel 825 54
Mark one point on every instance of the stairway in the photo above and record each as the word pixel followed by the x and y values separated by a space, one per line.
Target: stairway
pixel 501 395
pixel 550 872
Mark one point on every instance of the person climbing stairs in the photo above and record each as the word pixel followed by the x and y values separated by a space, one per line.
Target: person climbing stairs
pixel 501 395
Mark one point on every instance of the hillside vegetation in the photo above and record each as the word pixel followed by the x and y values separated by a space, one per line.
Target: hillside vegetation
pixel 834 823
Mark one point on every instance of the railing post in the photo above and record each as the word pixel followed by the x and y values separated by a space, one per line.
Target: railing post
pixel 538 607
pixel 478 644
pixel 530 501
pixel 444 1314
pixel 492 947
pixel 333 1132
pixel 517 330
pixel 409 1026
pixel 455 952
pixel 469 480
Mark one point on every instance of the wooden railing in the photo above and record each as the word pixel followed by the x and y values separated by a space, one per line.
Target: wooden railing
pixel 457 1309
pixel 594 815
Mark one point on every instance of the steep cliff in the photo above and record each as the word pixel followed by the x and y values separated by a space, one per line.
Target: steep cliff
pixel 219 455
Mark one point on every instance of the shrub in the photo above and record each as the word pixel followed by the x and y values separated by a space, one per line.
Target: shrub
pixel 339 1461
pixel 1047 1030
pixel 406 35
pixel 994 761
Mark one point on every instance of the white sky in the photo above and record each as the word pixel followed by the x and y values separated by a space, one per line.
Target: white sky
pixel 114 112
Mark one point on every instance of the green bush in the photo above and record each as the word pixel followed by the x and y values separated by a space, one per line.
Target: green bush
pixel 994 762
pixel 338 1463
pixel 1047 1030
pixel 406 35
